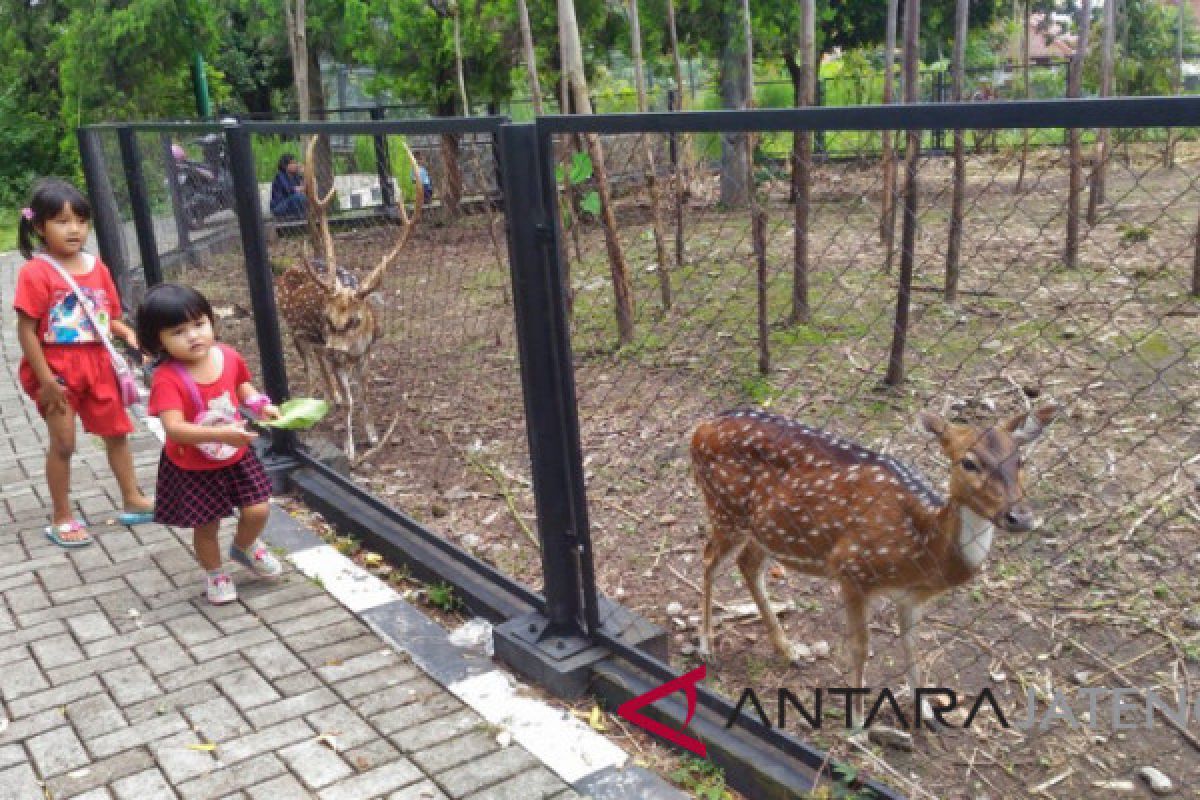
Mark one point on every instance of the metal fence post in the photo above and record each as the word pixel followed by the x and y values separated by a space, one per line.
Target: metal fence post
pixel 383 163
pixel 554 647
pixel 139 203
pixel 107 219
pixel 258 274
pixel 547 378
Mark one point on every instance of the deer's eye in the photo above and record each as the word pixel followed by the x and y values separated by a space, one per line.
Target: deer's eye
pixel 969 464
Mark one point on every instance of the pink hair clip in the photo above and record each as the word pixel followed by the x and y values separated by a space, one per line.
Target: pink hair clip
pixel 27 213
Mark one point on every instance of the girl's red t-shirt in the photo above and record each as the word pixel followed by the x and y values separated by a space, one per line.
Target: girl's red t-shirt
pixel 168 392
pixel 42 294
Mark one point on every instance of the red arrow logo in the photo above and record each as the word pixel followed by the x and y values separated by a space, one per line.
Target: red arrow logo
pixel 629 710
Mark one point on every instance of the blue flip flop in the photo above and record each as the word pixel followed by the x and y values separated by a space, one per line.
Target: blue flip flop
pixel 55 534
pixel 135 517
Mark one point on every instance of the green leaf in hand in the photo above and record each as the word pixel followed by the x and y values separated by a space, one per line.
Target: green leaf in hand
pixel 299 414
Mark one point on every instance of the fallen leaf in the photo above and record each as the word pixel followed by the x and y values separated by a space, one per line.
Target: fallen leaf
pixel 329 740
pixel 372 559
pixel 596 720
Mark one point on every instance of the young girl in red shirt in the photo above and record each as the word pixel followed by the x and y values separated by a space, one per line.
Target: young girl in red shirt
pixel 66 369
pixel 207 468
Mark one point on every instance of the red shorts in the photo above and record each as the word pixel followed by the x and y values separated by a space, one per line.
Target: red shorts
pixel 87 374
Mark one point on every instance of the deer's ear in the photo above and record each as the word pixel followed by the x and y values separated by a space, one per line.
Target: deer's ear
pixel 933 424
pixel 1027 426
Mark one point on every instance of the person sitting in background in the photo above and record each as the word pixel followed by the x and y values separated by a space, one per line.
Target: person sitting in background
pixel 287 190
pixel 426 183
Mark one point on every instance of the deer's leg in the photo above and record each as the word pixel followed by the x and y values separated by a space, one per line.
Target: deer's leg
pixel 723 546
pixel 363 380
pixel 302 347
pixel 343 378
pixel 909 610
pixel 753 564
pixel 328 373
pixel 856 628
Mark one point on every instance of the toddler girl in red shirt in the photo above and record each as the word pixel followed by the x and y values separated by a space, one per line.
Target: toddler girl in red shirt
pixel 207 469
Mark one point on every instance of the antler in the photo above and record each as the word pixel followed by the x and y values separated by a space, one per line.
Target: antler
pixel 376 276
pixel 321 215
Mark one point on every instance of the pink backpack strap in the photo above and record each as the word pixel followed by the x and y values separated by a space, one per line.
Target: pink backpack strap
pixel 190 383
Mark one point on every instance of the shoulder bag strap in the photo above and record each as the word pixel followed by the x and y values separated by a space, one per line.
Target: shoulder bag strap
pixel 190 384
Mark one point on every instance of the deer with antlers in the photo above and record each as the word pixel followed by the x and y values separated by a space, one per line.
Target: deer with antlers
pixel 332 317
pixel 826 506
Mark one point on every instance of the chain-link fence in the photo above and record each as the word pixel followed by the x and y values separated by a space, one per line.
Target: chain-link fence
pixel 1102 594
pixel 705 274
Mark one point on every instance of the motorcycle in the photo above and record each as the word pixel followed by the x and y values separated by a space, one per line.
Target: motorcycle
pixel 205 187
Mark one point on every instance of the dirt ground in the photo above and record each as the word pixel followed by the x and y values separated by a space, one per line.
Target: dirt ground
pixel 1102 595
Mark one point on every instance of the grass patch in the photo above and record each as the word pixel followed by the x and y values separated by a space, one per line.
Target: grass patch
pixel 8 230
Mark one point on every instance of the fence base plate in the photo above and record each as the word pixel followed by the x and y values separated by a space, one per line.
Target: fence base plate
pixel 563 664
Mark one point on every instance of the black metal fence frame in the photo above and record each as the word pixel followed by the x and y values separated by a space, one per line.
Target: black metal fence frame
pixel 567 636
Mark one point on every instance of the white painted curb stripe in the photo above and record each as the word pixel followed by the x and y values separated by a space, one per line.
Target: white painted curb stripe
pixel 357 589
pixel 559 740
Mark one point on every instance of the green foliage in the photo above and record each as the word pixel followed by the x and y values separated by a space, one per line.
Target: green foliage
pixel 1131 234
pixel 132 60
pixel 423 69
pixel 578 173
pixel 441 595
pixel 1144 48
pixel 758 390
pixel 701 777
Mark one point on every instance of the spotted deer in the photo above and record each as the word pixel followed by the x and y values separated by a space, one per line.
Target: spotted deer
pixel 826 506
pixel 331 316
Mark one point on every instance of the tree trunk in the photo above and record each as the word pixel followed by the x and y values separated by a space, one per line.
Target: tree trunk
pixel 735 163
pixel 1196 261
pixel 1099 168
pixel 1176 78
pixel 887 212
pixel 683 172
pixel 1025 82
pixel 954 245
pixel 458 60
pixel 535 87
pixel 452 192
pixel 1074 81
pixel 802 165
pixel 572 52
pixel 296 21
pixel 908 239
pixel 758 234
pixel 660 233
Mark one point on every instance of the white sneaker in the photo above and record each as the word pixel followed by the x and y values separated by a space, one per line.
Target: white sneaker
pixel 258 559
pixel 220 589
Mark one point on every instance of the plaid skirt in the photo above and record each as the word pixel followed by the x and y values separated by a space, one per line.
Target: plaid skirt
pixel 188 498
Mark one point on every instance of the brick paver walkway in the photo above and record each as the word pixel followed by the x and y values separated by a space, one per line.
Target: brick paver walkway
pixel 118 680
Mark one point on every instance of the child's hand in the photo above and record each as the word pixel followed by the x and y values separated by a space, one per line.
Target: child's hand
pixel 53 397
pixel 271 411
pixel 234 435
